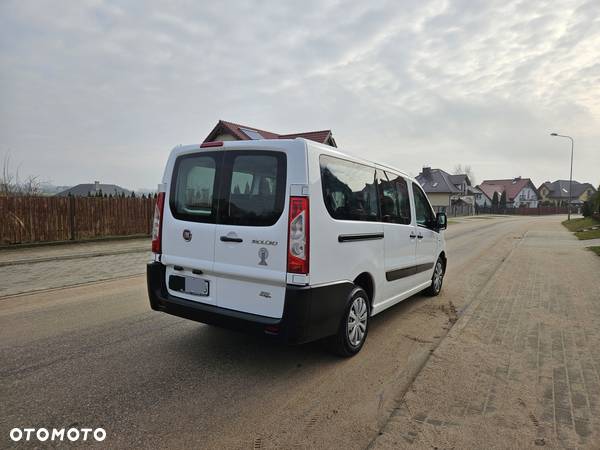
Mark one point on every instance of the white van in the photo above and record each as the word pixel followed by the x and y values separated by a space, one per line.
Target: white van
pixel 290 238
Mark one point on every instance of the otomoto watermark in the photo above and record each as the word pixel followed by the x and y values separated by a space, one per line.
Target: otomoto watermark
pixel 57 434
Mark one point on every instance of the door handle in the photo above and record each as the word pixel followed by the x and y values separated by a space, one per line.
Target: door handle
pixel 231 239
pixel 420 236
pixel 412 235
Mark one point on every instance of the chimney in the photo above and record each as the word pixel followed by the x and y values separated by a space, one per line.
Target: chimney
pixel 427 172
pixel 96 186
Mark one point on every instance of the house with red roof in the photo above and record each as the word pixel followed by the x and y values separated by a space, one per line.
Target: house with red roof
pixel 229 131
pixel 520 192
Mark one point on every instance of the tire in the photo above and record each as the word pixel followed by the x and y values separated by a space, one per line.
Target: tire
pixel 437 279
pixel 352 333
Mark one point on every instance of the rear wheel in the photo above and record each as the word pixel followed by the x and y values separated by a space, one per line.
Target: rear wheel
pixel 437 278
pixel 354 325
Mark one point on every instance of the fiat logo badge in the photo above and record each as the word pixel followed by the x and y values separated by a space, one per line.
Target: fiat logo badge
pixel 187 235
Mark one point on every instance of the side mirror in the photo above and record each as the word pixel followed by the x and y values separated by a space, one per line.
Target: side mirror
pixel 441 221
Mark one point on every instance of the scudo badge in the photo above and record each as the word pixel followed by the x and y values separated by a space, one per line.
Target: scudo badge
pixel 187 235
pixel 264 242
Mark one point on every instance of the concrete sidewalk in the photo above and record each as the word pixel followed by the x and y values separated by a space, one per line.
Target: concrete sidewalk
pixel 521 367
pixel 55 266
pixel 42 253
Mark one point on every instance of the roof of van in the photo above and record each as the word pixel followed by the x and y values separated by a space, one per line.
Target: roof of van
pixel 309 143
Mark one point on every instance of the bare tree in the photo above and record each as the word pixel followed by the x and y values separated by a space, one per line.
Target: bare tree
pixel 30 186
pixel 7 180
pixel 10 183
pixel 459 169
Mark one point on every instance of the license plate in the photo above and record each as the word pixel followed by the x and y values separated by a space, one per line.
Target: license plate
pixel 196 286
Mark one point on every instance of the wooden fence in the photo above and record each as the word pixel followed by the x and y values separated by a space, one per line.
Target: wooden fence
pixel 456 210
pixel 539 211
pixel 45 219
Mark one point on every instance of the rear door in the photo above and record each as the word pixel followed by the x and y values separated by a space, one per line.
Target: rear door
pixel 250 259
pixel 427 237
pixel 189 223
pixel 400 238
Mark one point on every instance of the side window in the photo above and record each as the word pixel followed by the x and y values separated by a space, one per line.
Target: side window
pixel 349 189
pixel 388 198
pixel 395 205
pixel 403 199
pixel 424 213
pixel 193 191
pixel 256 192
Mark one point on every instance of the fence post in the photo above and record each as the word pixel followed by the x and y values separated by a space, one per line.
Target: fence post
pixel 72 216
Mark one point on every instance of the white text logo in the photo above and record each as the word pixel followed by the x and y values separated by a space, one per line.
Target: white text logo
pixel 57 434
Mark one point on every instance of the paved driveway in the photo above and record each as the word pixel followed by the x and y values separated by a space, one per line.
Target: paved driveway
pixel 521 368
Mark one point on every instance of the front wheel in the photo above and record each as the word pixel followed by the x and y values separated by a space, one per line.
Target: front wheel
pixel 437 278
pixel 354 325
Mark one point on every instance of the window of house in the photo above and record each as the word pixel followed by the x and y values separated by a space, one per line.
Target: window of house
pixel 252 134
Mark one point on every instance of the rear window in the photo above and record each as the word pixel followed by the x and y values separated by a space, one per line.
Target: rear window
pixel 193 192
pixel 231 187
pixel 349 189
pixel 255 193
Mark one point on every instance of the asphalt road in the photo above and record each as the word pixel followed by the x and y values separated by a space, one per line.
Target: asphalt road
pixel 97 356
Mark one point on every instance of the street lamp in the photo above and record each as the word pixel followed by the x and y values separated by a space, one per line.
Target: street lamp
pixel 571 175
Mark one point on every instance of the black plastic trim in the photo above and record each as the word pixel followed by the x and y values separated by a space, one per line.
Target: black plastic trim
pixel 230 239
pixel 359 237
pixel 309 313
pixel 396 274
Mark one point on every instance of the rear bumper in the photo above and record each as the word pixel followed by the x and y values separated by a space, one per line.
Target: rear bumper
pixel 309 313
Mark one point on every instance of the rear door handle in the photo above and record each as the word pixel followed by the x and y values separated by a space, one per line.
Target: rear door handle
pixel 420 236
pixel 231 239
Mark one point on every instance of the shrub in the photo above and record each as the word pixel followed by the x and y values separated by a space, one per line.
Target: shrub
pixel 595 201
pixel 587 209
pixel 503 200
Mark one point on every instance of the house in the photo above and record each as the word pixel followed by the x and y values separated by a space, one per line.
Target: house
pixel 481 198
pixel 96 188
pixel 229 131
pixel 520 192
pixel 445 190
pixel 462 183
pixel 557 192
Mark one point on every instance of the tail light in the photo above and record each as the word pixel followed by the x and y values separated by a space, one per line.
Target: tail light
pixel 211 144
pixel 157 223
pixel 298 241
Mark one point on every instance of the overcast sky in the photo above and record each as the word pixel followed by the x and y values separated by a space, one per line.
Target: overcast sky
pixel 102 90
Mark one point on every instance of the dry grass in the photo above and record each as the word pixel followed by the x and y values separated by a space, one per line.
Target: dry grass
pixel 579 225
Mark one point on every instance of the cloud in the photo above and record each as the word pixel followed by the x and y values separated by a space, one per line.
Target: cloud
pixel 103 90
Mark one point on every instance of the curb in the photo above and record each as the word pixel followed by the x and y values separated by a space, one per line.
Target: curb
pixel 68 286
pixel 18 262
